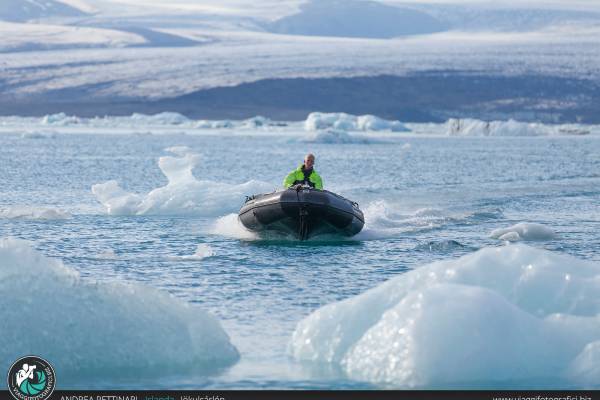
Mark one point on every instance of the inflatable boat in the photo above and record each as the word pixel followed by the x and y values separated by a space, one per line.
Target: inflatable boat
pixel 303 212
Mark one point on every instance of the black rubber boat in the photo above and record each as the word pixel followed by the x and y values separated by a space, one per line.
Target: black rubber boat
pixel 302 211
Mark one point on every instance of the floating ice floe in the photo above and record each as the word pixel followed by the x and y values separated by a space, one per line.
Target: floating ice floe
pixel 163 118
pixel 100 329
pixel 506 314
pixel 134 120
pixel 347 122
pixel 38 135
pixel 208 124
pixel 137 121
pixel 336 136
pixel 474 127
pixel 440 246
pixel 250 123
pixel 167 122
pixel 183 195
pixel 33 213
pixel 60 119
pixel 524 231
pixel 256 122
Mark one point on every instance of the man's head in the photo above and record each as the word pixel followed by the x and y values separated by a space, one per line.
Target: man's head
pixel 309 161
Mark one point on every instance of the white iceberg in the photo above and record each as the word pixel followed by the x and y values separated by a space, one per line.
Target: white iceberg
pixel 347 122
pixel 101 329
pixel 163 118
pixel 474 127
pixel 523 231
pixel 512 313
pixel 60 119
pixel 183 195
pixel 217 124
pixel 256 122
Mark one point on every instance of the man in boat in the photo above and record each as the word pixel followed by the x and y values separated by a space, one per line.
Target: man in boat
pixel 305 174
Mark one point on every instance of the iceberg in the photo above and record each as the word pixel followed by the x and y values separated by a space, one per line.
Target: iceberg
pixel 60 119
pixel 218 124
pixel 163 118
pixel 256 122
pixel 474 127
pixel 347 122
pixel 523 231
pixel 511 313
pixel 183 195
pixel 175 123
pixel 101 329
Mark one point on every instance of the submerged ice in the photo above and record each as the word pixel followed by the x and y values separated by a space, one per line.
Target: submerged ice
pixel 33 213
pixel 336 136
pixel 183 195
pixel 523 231
pixel 101 329
pixel 202 251
pixel 512 313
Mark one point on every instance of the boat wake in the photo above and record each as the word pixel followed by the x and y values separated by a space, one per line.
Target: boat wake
pixel 382 221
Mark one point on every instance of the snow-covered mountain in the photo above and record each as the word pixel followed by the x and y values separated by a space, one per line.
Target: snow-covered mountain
pixel 371 19
pixel 523 18
pixel 141 51
pixel 24 10
pixel 354 18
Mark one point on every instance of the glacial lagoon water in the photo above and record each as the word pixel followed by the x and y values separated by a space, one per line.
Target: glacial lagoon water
pixel 425 198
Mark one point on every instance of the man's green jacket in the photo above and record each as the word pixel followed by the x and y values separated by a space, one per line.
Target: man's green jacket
pixel 297 176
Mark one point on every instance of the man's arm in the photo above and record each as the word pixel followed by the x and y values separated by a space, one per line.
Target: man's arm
pixel 318 182
pixel 289 180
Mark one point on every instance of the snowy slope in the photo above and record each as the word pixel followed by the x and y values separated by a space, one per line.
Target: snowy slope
pixel 19 36
pixel 176 48
pixel 23 10
pixel 356 18
pixel 81 5
pixel 232 58
pixel 521 18
pixel 370 19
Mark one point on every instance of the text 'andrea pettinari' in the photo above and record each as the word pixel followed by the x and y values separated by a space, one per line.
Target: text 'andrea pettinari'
pixel 98 397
